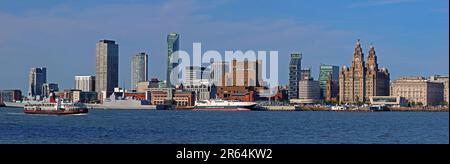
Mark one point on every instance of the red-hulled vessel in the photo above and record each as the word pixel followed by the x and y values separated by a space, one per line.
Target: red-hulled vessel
pixel 55 107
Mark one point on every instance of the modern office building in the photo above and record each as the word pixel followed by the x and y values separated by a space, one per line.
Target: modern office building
pixel 418 90
pixel 329 74
pixel 48 88
pixel 36 78
pixel 444 80
pixel 295 67
pixel 173 45
pixel 107 67
pixel 139 69
pixel 85 83
pixel 309 91
pixel 363 80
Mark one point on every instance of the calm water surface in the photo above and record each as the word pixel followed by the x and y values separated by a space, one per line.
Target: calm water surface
pixel 184 127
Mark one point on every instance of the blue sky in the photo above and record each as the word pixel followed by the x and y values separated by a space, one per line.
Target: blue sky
pixel 411 36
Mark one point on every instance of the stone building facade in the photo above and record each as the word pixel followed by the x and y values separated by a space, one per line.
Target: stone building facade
pixel 363 80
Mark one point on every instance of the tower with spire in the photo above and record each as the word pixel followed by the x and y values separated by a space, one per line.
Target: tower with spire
pixel 364 79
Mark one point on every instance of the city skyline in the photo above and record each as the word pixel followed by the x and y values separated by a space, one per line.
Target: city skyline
pixel 409 51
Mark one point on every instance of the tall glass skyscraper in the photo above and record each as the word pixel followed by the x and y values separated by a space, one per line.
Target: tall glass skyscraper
pixel 328 72
pixel 295 67
pixel 173 45
pixel 139 69
pixel 36 79
pixel 107 67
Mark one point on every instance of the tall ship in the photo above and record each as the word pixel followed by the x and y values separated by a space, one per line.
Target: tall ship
pixel 223 105
pixel 55 107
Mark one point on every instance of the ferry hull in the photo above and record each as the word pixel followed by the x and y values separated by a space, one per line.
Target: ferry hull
pixel 224 108
pixel 57 112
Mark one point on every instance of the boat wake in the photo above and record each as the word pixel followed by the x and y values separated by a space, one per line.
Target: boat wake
pixel 16 113
pixel 81 114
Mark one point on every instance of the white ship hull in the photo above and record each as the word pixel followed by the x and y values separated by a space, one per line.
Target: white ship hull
pixel 14 105
pixel 121 107
pixel 224 105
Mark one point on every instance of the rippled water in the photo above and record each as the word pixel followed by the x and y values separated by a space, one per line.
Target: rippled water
pixel 162 127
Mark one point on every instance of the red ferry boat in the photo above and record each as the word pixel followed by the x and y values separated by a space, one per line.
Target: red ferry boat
pixel 55 107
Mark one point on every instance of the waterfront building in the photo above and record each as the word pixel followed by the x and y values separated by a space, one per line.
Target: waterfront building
pixel 36 78
pixel 107 67
pixel 331 90
pixel 149 91
pixel 83 97
pixel 48 88
pixel 158 97
pixel 67 94
pixel 309 91
pixel 181 99
pixel 329 82
pixel 85 83
pixel 295 66
pixel 391 101
pixel 203 89
pixel 184 99
pixel 153 83
pixel 362 80
pixel 418 90
pixel 237 93
pixel 135 95
pixel 444 80
pixel 11 95
pixel 139 69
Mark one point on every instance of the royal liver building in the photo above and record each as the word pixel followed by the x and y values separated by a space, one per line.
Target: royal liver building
pixel 363 80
